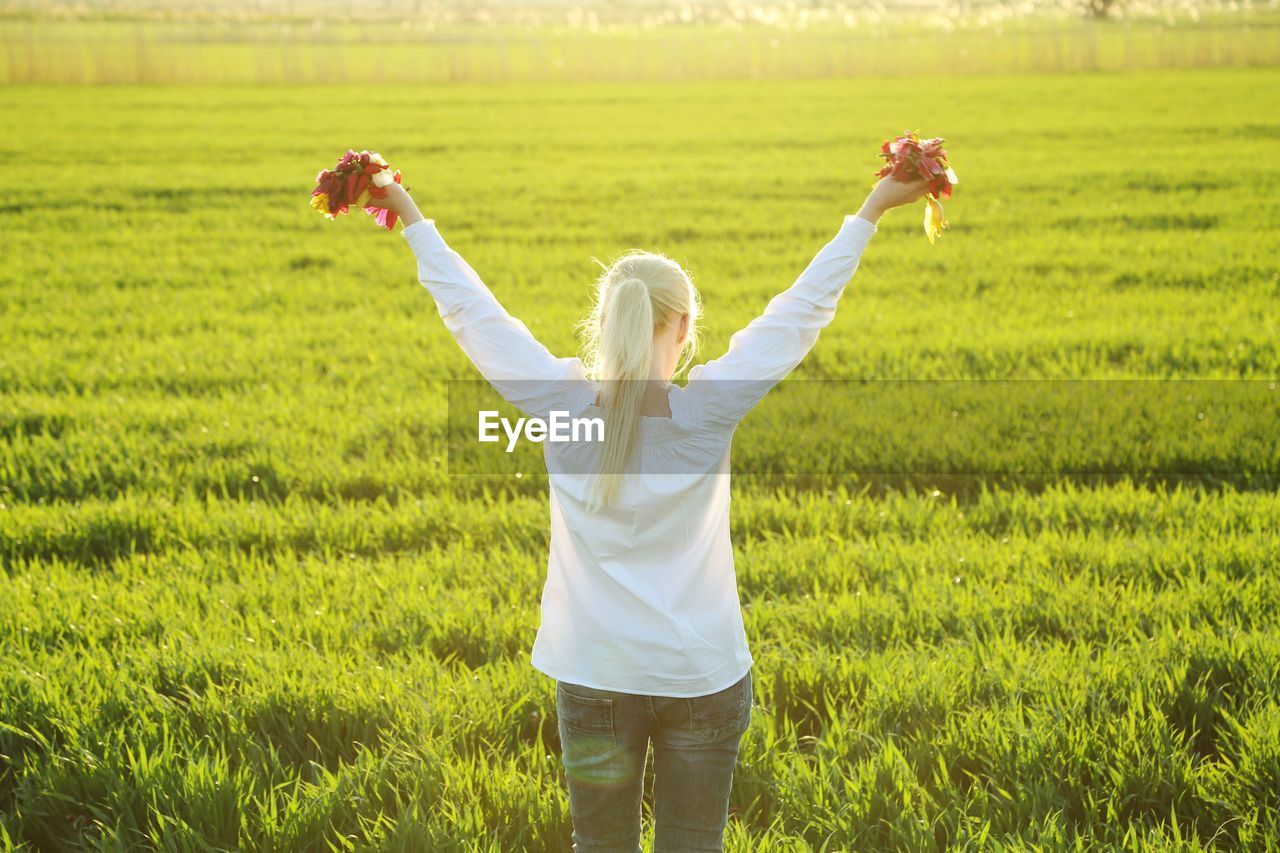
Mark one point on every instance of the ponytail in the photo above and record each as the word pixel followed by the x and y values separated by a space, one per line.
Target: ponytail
pixel 639 294
pixel 626 355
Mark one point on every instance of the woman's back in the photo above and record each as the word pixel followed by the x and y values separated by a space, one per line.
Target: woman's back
pixel 641 595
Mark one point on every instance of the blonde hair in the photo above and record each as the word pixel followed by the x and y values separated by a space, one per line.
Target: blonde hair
pixel 636 296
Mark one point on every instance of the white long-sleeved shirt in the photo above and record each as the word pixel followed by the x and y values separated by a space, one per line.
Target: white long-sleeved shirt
pixel 642 597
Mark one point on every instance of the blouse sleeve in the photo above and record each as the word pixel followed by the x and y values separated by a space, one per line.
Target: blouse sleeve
pixel 501 347
pixel 771 345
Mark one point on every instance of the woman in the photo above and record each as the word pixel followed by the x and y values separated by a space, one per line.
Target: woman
pixel 641 623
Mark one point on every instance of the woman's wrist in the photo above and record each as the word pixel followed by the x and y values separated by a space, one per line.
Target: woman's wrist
pixel 397 198
pixel 404 205
pixel 871 211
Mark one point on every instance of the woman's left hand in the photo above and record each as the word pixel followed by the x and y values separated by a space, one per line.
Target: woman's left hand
pixel 398 200
pixel 393 200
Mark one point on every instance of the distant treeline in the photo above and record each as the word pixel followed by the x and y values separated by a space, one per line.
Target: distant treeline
pixel 431 43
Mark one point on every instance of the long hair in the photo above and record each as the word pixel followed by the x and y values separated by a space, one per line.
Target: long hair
pixel 636 296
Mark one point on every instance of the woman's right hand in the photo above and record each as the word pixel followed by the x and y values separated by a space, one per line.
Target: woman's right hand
pixel 888 193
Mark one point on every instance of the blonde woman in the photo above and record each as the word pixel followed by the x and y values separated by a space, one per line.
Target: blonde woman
pixel 641 622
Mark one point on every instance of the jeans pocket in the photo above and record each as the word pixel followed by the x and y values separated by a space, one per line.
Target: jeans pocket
pixel 582 709
pixel 724 713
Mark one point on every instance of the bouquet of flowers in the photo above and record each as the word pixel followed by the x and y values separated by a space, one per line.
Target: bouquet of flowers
pixel 910 158
pixel 358 177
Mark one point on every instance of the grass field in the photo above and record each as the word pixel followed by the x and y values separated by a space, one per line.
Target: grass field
pixel 243 604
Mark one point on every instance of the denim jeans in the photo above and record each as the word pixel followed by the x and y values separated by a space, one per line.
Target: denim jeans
pixel 604 737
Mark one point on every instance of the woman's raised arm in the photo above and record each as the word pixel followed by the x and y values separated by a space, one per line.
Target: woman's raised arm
pixel 771 345
pixel 502 348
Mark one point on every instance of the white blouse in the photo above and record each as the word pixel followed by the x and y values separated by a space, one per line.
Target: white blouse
pixel 642 597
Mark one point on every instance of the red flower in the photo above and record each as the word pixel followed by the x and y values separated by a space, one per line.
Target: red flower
pixel 908 158
pixel 352 183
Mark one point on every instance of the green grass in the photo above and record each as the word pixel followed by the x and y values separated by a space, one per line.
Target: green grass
pixel 243 604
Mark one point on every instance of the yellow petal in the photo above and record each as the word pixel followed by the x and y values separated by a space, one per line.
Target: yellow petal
pixel 933 219
pixel 363 199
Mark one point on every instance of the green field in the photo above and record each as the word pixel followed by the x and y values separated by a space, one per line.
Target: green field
pixel 243 604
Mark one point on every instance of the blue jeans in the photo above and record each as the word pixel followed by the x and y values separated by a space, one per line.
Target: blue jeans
pixel 604 737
